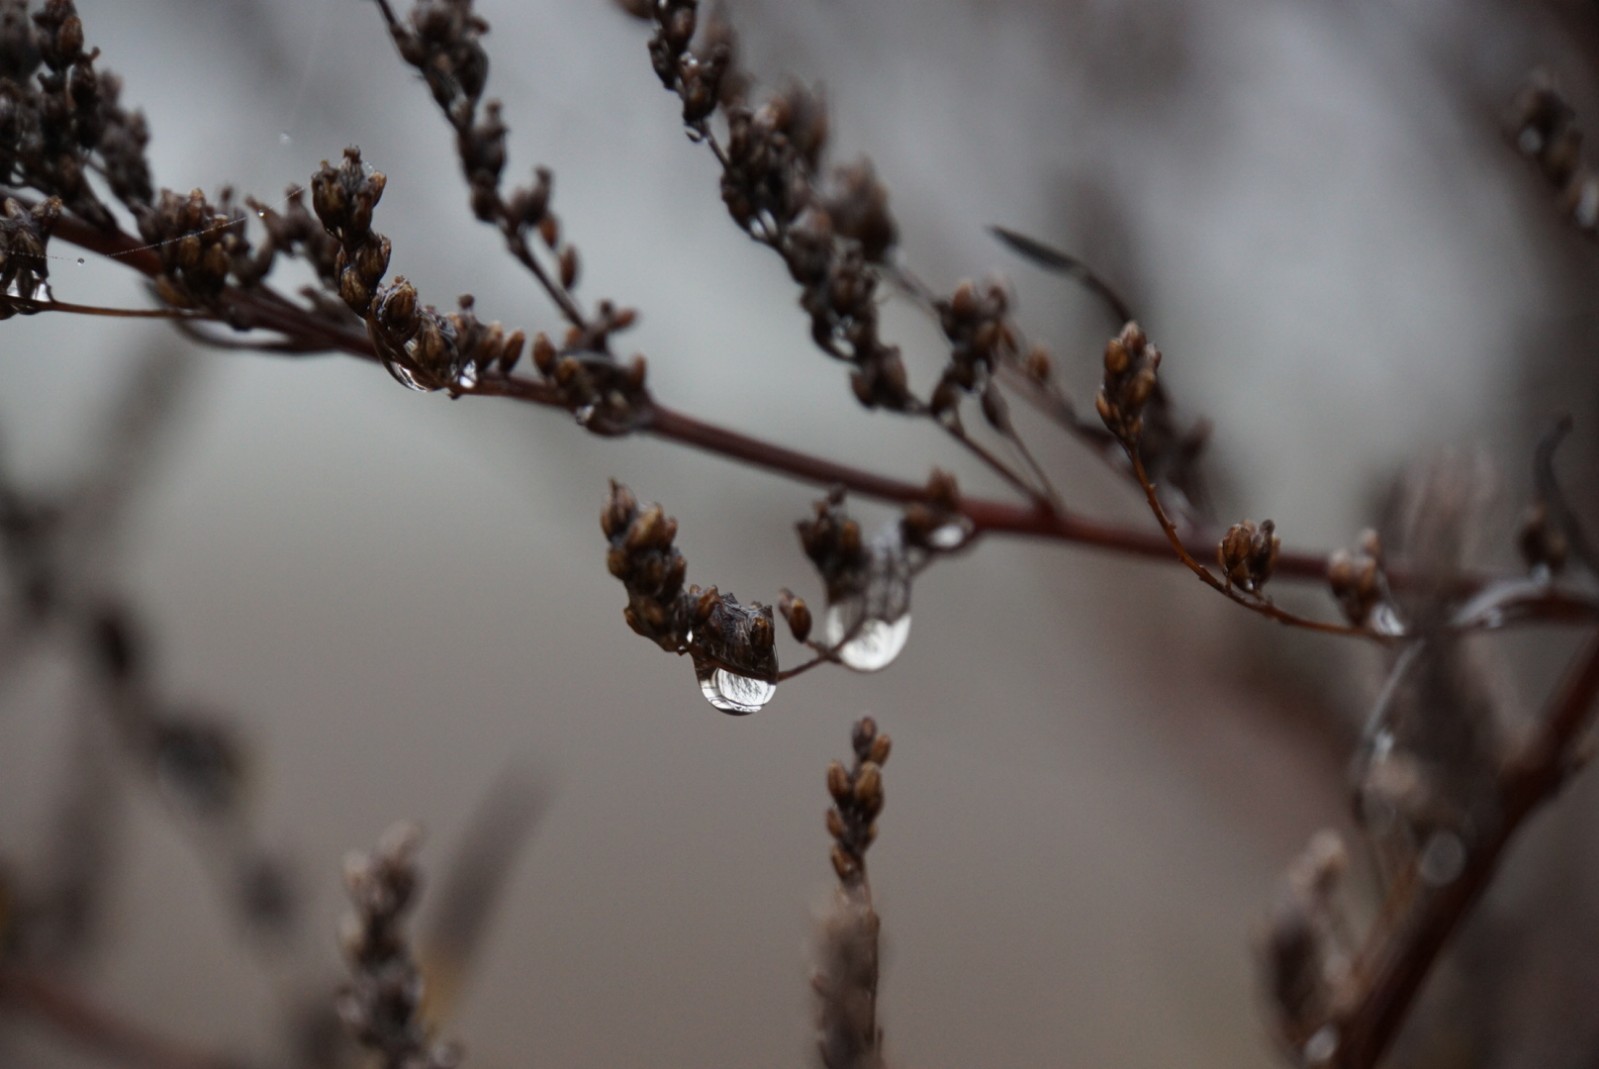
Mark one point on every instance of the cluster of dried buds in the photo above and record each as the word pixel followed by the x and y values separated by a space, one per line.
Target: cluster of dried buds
pixel 1306 950
pixel 58 128
pixel 703 78
pixel 381 1006
pixel 426 350
pixel 733 645
pixel 868 581
pixel 1247 554
pixel 1357 579
pixel 1131 363
pixel 976 321
pixel 24 237
pixel 831 234
pixel 833 541
pixel 198 244
pixel 1545 130
pixel 443 40
pixel 607 396
pixel 421 347
pixel 857 793
pixel 344 198
pixel 642 555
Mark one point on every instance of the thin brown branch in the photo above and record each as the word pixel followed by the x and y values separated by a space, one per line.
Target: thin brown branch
pixel 96 1028
pixel 268 310
pixel 1253 604
pixel 1401 952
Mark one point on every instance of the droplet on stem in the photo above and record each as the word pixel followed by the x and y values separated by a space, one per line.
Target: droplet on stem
pixel 733 693
pixel 871 627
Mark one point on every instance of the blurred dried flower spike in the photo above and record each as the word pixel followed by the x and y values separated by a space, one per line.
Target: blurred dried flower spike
pixel 1305 949
pixel 381 1006
pixel 1131 363
pixel 1544 129
pixel 1360 585
pixel 867 621
pixel 845 979
pixel 733 645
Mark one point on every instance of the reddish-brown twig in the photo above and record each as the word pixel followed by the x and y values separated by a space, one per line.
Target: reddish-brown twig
pixel 1406 941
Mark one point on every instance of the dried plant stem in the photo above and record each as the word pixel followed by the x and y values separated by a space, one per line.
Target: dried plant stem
pixel 1254 604
pixel 1402 948
pixel 307 333
pixel 95 1027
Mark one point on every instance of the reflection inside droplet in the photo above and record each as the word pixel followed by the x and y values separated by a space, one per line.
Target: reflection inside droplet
pixel 875 642
pixel 1385 621
pixel 736 694
pixel 405 376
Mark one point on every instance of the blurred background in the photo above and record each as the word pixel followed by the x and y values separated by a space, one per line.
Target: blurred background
pixel 1100 769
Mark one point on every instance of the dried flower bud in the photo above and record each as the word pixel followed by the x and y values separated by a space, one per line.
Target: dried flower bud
pixel 838 782
pixel 1248 554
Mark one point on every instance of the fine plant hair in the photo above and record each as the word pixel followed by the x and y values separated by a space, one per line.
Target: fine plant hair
pixel 1443 775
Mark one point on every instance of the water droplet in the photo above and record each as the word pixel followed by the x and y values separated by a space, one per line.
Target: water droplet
pixel 1385 620
pixel 80 261
pixel 583 415
pixel 876 642
pixel 949 536
pixel 735 694
pixel 875 620
pixel 405 376
pixel 466 378
pixel 1321 1046
pixel 1442 859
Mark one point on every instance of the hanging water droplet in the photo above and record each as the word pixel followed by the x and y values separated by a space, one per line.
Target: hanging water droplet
pixel 949 536
pixel 1443 858
pixel 1322 1045
pixel 735 694
pixel 405 376
pixel 466 378
pixel 1385 620
pixel 80 261
pixel 583 414
pixel 874 624
pixel 875 643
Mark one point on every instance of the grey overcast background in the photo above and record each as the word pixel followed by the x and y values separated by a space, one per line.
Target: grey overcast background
pixel 1100 769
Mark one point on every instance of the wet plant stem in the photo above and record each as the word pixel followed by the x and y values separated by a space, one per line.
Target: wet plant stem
pixel 265 309
pixel 1411 934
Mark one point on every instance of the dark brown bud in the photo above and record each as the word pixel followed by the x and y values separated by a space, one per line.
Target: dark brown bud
pixel 511 350
pixel 838 784
pixel 964 302
pixel 835 824
pixel 544 353
pixel 568 265
pixel 869 789
pixel 844 865
pixel 549 230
